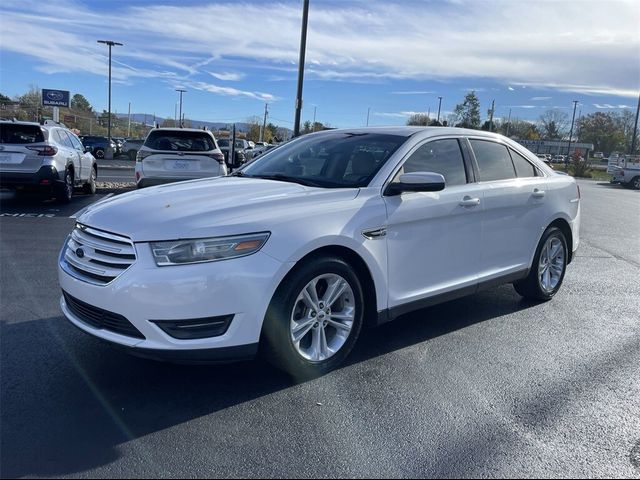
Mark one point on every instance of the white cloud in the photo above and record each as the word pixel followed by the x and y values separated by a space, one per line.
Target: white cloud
pixel 540 99
pixel 415 92
pixel 227 76
pixel 511 88
pixel 608 106
pixel 228 91
pixel 355 41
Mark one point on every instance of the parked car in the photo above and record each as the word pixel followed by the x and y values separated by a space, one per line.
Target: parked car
pixel 100 146
pixel 559 159
pixel 293 254
pixel 598 155
pixel 175 154
pixel 131 147
pixel 48 159
pixel 119 142
pixel 243 152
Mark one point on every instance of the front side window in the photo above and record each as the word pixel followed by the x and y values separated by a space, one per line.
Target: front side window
pixel 77 144
pixel 494 161
pixel 330 160
pixel 439 156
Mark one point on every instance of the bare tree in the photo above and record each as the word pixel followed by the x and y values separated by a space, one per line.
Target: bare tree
pixel 418 119
pixel 554 125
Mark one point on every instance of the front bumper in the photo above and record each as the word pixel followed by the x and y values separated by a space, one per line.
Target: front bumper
pixel 144 293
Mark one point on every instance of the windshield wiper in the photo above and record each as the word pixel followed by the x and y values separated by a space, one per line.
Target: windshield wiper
pixel 286 178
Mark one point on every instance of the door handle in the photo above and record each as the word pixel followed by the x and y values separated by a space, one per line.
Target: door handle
pixel 467 201
pixel 538 193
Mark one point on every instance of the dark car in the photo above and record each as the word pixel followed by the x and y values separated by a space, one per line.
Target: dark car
pixel 100 146
pixel 131 147
pixel 243 152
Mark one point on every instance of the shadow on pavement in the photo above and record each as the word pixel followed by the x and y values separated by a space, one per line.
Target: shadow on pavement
pixel 66 407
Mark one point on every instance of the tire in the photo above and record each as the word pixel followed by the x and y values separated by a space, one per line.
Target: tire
pixel 635 183
pixel 537 285
pixel 99 153
pixel 66 191
pixel 90 186
pixel 132 155
pixel 289 314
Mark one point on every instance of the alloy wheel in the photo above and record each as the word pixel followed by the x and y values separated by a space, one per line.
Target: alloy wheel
pixel 552 264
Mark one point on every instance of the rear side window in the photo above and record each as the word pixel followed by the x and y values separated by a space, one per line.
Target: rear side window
pixel 16 133
pixel 61 137
pixel 440 156
pixel 494 161
pixel 184 141
pixel 524 169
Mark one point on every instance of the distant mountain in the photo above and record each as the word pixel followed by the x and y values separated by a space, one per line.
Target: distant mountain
pixel 149 119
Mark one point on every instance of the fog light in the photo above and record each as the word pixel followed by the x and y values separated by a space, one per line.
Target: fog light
pixel 195 328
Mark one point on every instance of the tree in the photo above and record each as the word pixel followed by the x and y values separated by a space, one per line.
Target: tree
pixel 523 130
pixel 418 120
pixel 626 123
pixel 79 102
pixel 468 112
pixel 553 125
pixel 4 99
pixel 603 131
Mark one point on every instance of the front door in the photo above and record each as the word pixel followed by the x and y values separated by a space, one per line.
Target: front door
pixel 433 238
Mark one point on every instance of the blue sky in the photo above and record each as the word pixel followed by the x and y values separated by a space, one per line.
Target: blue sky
pixel 394 57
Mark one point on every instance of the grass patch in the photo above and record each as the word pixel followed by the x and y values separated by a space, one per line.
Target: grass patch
pixel 592 173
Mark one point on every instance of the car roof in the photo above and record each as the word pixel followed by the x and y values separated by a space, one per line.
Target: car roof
pixel 408 131
pixel 178 129
pixel 20 122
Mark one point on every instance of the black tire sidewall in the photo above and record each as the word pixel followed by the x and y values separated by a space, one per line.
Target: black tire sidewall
pixel 277 322
pixel 132 154
pixel 99 153
pixel 551 232
pixel 90 186
pixel 65 194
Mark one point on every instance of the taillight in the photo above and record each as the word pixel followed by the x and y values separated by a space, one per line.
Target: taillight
pixel 219 157
pixel 141 155
pixel 46 151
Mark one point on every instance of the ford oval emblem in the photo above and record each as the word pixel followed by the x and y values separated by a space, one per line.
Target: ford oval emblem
pixel 79 253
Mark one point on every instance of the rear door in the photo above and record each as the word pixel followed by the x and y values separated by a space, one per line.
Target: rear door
pixel 67 151
pixel 514 208
pixel 85 159
pixel 18 143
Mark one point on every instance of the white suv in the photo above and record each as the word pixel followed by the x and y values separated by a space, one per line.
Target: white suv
pixel 298 250
pixel 175 154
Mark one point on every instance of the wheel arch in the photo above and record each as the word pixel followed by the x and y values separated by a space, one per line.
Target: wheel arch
pixel 362 271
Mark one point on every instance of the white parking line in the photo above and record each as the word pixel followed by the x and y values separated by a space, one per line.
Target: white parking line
pixel 79 212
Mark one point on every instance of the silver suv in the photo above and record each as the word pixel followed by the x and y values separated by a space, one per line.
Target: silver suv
pixel 49 159
pixel 175 154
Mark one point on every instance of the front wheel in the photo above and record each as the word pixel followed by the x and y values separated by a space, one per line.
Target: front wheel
pixel 635 183
pixel 314 318
pixel 548 269
pixel 99 153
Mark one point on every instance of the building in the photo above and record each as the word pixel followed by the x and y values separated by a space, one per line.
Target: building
pixel 557 147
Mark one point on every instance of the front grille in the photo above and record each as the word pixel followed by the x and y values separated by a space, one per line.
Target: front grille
pixel 101 319
pixel 95 256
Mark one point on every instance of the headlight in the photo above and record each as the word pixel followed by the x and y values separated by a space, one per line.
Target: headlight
pixel 182 252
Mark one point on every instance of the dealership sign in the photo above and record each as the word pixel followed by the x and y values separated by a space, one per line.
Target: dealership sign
pixel 55 98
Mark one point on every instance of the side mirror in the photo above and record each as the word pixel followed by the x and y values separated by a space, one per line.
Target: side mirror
pixel 416 182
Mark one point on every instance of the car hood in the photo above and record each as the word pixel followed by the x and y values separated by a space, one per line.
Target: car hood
pixel 211 207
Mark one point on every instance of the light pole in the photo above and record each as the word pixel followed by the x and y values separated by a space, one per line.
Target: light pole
pixel 368 112
pixel 110 43
pixel 635 129
pixel 303 47
pixel 181 90
pixel 439 105
pixel 573 118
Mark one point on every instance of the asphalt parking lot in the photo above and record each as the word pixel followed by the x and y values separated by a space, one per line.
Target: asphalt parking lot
pixel 489 385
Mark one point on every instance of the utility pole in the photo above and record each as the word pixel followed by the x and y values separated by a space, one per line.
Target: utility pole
pixel 129 121
pixel 566 161
pixel 635 129
pixel 493 107
pixel 428 115
pixel 175 114
pixel 181 90
pixel 110 43
pixel 368 111
pixel 439 105
pixel 303 47
pixel 508 123
pixel 264 122
pixel 313 128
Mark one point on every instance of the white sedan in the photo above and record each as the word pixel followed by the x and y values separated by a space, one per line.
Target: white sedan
pixel 290 256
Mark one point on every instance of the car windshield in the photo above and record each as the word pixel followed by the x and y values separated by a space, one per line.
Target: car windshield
pixel 16 133
pixel 181 141
pixel 330 160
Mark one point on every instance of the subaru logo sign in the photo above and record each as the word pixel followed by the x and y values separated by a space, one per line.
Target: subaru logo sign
pixel 55 98
pixel 79 253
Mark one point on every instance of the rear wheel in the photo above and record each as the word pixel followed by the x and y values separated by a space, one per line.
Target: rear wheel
pixel 314 319
pixel 66 191
pixel 90 186
pixel 548 269
pixel 99 153
pixel 635 183
pixel 132 155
